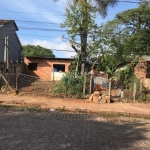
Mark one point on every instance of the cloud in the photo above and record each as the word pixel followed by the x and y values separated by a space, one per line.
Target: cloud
pixel 52 11
pixel 56 44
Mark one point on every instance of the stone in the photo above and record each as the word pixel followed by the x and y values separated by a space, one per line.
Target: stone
pixel 103 100
pixel 96 93
pixel 95 99
pixel 107 99
pixel 91 98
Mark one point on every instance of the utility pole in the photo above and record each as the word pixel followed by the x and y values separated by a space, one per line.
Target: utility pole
pixel 6 51
pixel 5 47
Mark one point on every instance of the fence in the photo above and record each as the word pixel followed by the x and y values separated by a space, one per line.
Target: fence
pixel 33 85
pixel 14 82
pixel 129 92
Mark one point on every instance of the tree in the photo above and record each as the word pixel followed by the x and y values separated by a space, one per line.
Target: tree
pixel 80 23
pixel 127 35
pixel 32 50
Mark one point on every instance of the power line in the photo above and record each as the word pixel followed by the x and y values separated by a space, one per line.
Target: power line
pixel 31 13
pixel 49 48
pixel 40 29
pixel 37 35
pixel 103 33
pixel 37 22
pixel 31 35
pixel 138 2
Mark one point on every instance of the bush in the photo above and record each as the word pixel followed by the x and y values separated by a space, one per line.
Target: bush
pixel 71 84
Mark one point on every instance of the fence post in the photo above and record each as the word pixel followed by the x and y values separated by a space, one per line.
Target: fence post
pixel 84 85
pixel 16 81
pixel 6 82
pixel 134 91
pixel 91 79
pixel 109 92
pixel 53 75
pixel 140 88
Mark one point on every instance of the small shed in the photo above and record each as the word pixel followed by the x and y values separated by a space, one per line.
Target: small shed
pixel 47 68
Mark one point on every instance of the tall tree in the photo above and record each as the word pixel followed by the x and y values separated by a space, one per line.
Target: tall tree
pixel 124 37
pixel 134 27
pixel 32 50
pixel 80 21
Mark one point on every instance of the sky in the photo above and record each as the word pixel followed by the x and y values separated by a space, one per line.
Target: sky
pixel 39 22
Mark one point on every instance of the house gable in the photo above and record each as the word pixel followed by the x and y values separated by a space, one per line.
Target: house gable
pixel 8 29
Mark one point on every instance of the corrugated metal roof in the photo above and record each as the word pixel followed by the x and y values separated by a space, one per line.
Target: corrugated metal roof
pixel 35 57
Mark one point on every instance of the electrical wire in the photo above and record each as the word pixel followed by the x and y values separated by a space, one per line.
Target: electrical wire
pixel 40 29
pixel 31 13
pixel 28 21
pixel 49 48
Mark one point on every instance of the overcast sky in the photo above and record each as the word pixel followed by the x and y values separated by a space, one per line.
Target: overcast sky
pixel 46 16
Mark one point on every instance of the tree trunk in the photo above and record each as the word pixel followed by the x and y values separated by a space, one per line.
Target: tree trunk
pixel 84 33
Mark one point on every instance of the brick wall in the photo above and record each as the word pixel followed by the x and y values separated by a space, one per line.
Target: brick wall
pixel 142 71
pixel 44 67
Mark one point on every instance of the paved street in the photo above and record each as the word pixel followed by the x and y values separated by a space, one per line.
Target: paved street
pixel 33 130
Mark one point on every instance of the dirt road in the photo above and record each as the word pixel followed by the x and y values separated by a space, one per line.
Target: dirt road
pixel 126 108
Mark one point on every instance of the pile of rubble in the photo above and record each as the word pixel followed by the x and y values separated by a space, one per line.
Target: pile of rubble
pixel 99 97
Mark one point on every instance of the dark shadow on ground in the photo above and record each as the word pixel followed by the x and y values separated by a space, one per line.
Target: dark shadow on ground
pixel 61 130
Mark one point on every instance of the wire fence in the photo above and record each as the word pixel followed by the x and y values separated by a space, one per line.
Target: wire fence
pixel 33 86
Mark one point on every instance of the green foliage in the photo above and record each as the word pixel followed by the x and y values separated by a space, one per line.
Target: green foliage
pixel 134 25
pixel 124 37
pixel 71 84
pixel 81 27
pixel 32 50
pixel 127 76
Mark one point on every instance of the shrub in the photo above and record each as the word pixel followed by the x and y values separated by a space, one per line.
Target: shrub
pixel 71 84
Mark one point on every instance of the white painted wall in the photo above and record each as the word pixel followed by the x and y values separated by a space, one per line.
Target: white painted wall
pixel 57 75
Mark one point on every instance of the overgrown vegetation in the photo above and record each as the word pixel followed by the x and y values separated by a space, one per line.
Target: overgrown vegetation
pixel 127 76
pixel 72 85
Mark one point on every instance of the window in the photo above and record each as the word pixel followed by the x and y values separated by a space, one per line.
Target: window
pixel 59 67
pixel 32 66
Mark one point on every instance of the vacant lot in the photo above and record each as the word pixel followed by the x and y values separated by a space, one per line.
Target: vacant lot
pixel 47 130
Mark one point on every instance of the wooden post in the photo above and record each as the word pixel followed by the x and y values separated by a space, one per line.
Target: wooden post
pixel 53 75
pixel 84 85
pixel 109 92
pixel 5 50
pixel 17 81
pixel 134 91
pixel 6 82
pixel 7 55
pixel 91 79
pixel 140 88
pixel 140 85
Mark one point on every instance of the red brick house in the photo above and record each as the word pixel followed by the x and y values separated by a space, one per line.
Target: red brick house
pixel 46 68
pixel 141 70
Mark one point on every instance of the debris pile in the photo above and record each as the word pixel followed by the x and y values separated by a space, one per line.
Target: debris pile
pixel 98 97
